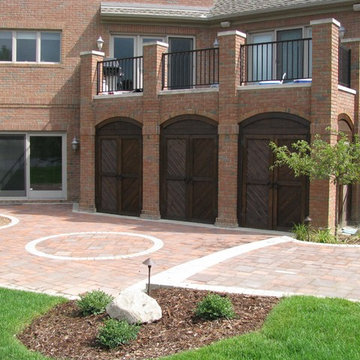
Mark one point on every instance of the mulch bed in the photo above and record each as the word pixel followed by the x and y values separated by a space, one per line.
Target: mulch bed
pixel 4 221
pixel 64 333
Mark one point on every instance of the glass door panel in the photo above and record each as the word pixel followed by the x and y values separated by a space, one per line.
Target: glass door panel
pixel 261 57
pixel 46 163
pixel 290 54
pixel 124 48
pixel 12 165
pixel 180 64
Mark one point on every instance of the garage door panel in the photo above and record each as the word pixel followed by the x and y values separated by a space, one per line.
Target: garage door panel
pixel 257 204
pixel 109 194
pixel 176 199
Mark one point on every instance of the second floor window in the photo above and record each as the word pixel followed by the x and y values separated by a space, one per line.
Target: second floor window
pixel 30 46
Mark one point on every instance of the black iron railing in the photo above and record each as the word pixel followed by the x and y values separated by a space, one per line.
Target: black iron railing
pixel 344 66
pixel 190 69
pixel 120 75
pixel 276 60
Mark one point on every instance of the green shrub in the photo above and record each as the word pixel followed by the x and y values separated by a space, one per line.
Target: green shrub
pixel 300 231
pixel 324 236
pixel 214 306
pixel 94 302
pixel 115 333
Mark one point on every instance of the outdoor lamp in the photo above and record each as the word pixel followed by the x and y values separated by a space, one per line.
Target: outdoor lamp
pixel 75 143
pixel 100 43
pixel 149 264
pixel 216 43
pixel 342 31
pixel 307 222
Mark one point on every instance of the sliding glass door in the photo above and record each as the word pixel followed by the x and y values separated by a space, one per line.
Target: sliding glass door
pixel 12 166
pixel 33 166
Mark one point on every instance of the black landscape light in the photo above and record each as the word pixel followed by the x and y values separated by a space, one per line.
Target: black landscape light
pixel 307 222
pixel 149 264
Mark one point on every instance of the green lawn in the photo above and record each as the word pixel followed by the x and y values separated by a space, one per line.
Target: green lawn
pixel 302 328
pixel 17 308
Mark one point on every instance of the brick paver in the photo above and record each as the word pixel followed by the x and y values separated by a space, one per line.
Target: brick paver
pixel 285 267
pixel 292 267
pixel 21 269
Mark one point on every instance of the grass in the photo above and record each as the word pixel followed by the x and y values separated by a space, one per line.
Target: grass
pixel 17 309
pixel 298 328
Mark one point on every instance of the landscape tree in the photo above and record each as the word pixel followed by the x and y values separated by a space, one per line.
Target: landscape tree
pixel 321 160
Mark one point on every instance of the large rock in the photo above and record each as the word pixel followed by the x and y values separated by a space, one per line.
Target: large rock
pixel 134 306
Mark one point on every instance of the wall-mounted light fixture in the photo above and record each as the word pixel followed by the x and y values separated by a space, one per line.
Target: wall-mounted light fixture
pixel 75 144
pixel 100 43
pixel 342 31
pixel 225 24
pixel 216 43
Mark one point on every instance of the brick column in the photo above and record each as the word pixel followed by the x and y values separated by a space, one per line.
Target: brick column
pixel 151 129
pixel 88 83
pixel 354 45
pixel 324 90
pixel 228 130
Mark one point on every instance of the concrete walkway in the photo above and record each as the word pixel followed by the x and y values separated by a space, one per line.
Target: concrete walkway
pixel 57 251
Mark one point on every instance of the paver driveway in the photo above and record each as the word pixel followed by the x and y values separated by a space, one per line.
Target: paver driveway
pixel 55 250
pixel 61 274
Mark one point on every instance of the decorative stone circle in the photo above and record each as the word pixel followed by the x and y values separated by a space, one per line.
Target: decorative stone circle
pixel 100 245
pixel 13 221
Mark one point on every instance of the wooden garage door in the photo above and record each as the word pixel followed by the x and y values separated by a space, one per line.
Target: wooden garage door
pixel 270 199
pixel 189 171
pixel 118 169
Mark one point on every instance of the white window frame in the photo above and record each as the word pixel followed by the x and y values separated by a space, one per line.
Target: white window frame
pixel 41 194
pixel 38 47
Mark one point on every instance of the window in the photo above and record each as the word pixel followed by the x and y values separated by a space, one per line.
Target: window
pixel 30 46
pixel 5 46
pixel 33 166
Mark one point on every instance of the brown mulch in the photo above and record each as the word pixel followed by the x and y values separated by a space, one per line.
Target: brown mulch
pixel 4 221
pixel 63 333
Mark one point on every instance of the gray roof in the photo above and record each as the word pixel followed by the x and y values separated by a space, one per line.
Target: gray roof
pixel 221 8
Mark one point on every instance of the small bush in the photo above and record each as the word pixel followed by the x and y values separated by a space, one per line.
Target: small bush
pixel 94 302
pixel 324 236
pixel 300 231
pixel 214 306
pixel 115 333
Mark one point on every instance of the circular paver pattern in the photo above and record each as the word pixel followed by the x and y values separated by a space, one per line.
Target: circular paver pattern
pixel 7 221
pixel 94 246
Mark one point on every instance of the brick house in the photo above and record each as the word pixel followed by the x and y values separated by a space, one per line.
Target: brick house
pixel 174 114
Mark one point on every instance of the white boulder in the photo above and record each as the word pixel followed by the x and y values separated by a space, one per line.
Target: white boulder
pixel 134 306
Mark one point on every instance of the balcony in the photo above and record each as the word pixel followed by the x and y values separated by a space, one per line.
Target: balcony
pixel 276 62
pixel 116 75
pixel 267 63
pixel 190 69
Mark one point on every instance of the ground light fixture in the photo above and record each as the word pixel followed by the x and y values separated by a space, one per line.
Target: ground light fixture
pixel 307 222
pixel 149 263
pixel 75 144
pixel 99 43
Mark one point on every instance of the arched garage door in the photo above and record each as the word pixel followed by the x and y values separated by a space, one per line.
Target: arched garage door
pixel 119 167
pixel 189 149
pixel 270 199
